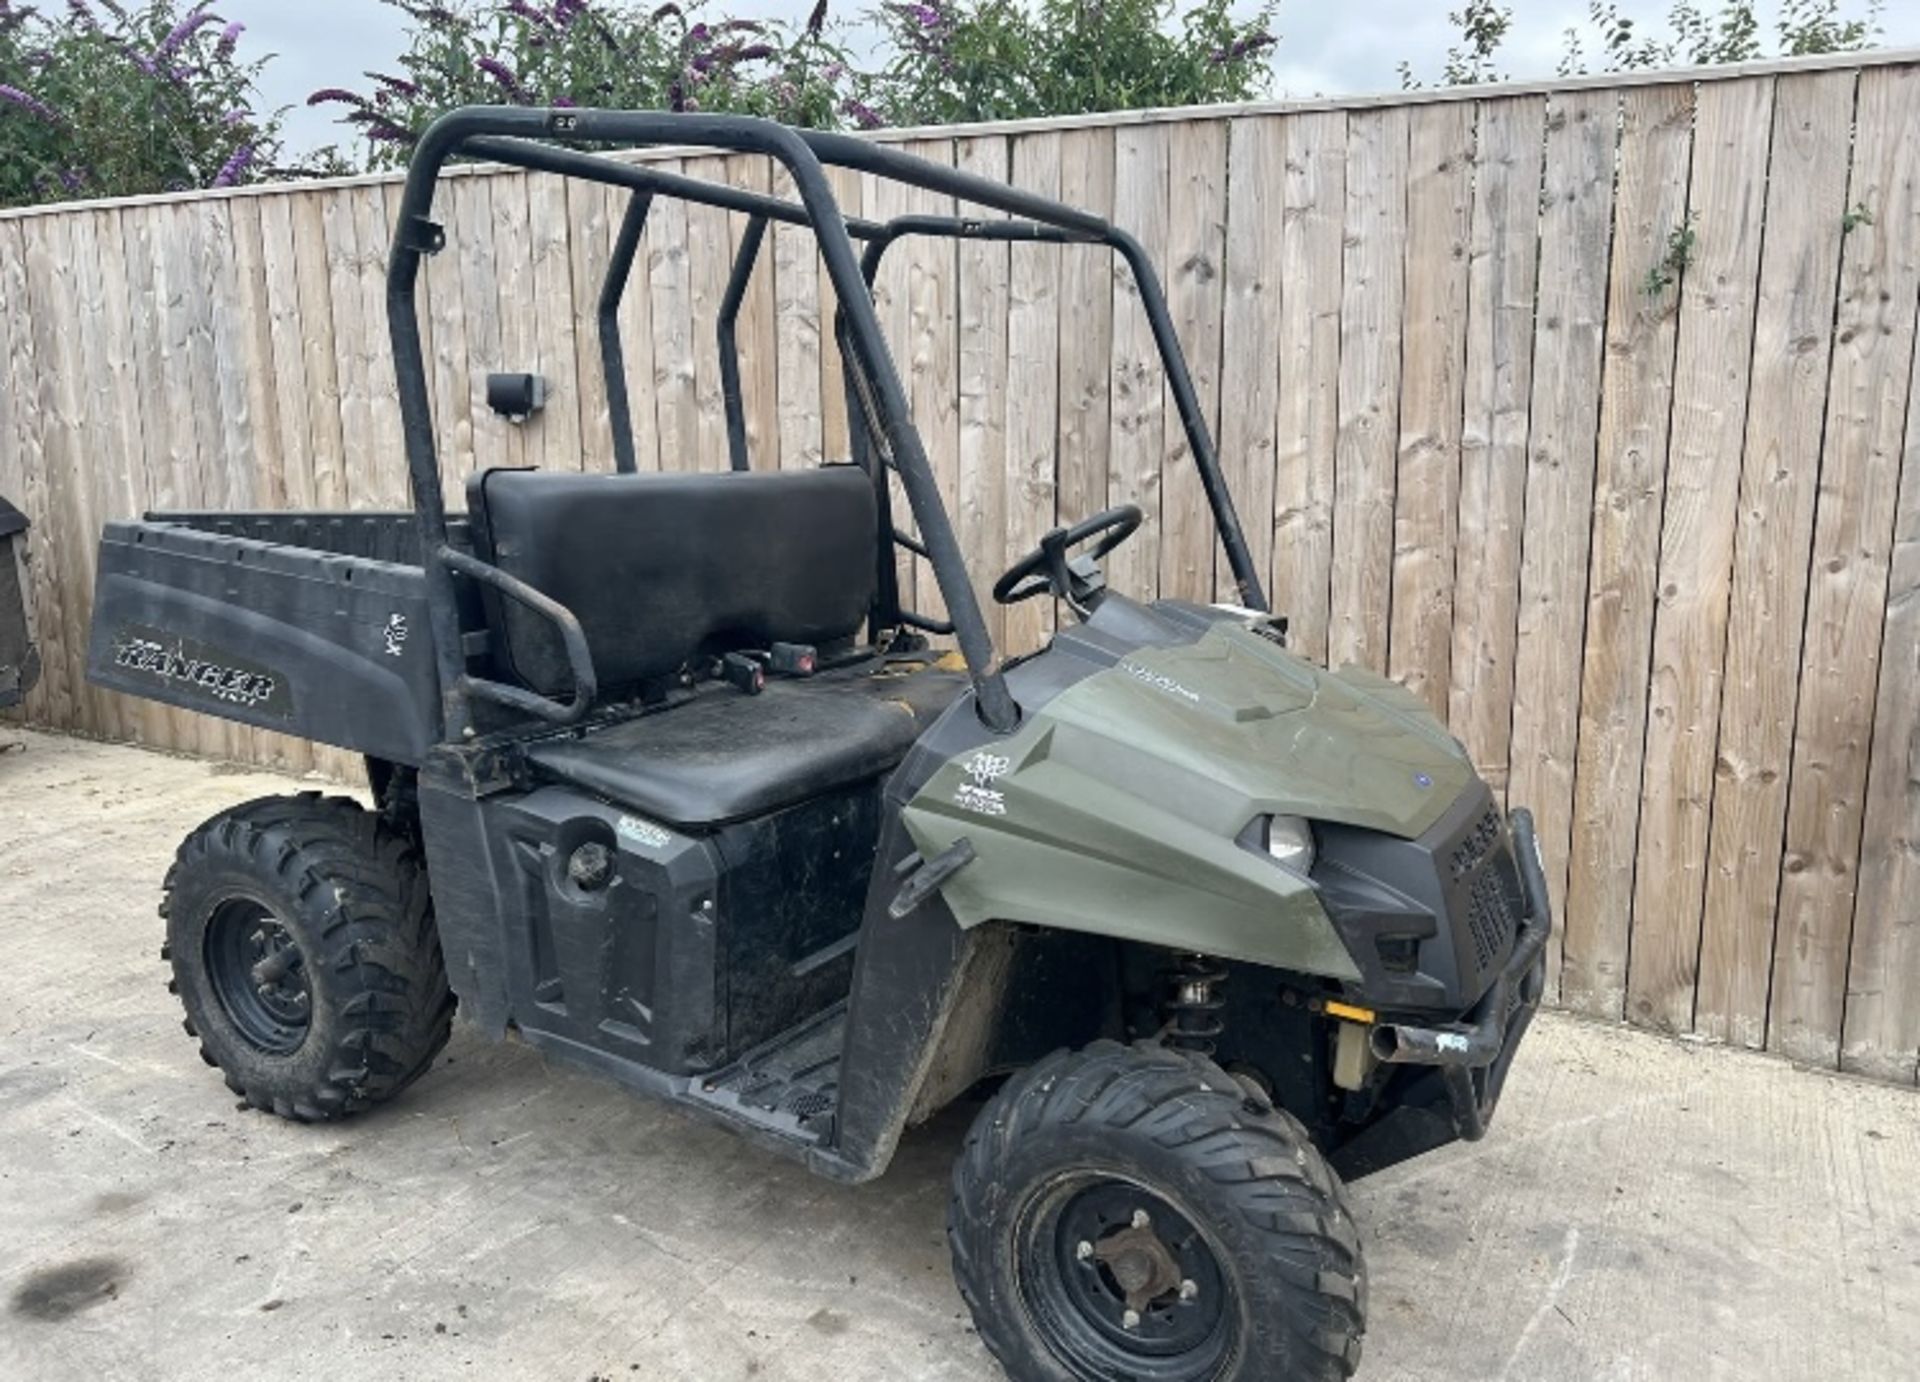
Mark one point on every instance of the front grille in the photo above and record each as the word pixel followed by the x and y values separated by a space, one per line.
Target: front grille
pixel 1474 847
pixel 1490 918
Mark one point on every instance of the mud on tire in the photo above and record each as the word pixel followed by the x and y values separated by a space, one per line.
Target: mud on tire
pixel 1250 1213
pixel 301 935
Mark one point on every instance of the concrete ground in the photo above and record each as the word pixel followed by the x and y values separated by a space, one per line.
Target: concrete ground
pixel 1643 1209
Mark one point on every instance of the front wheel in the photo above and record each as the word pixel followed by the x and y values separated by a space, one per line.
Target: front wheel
pixel 1132 1212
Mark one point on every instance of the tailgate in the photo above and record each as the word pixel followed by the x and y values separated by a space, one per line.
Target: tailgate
pixel 315 644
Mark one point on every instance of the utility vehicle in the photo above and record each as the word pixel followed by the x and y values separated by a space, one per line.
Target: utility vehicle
pixel 670 784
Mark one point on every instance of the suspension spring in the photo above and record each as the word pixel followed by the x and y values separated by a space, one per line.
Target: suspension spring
pixel 1192 1012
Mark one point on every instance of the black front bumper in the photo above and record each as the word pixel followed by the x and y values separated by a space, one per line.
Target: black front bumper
pixel 1474 1054
pixel 1465 1062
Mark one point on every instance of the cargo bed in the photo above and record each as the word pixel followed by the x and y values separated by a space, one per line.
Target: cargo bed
pixel 313 624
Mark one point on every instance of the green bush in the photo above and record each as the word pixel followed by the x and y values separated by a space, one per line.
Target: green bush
pixel 965 60
pixel 578 52
pixel 106 99
pixel 944 61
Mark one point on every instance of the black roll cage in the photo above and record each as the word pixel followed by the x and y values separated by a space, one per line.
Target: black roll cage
pixel 880 422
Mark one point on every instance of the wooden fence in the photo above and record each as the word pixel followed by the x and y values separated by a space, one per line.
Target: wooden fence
pixel 1579 408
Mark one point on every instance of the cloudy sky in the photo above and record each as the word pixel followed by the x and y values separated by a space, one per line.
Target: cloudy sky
pixel 1324 48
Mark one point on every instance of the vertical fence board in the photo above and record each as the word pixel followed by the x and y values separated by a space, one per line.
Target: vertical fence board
pixel 54 393
pixel 849 196
pixel 1852 536
pixel 670 279
pixel 931 363
pixel 709 258
pixel 1307 422
pixel 122 450
pixel 983 295
pixel 1196 258
pixel 1650 205
pixel 1250 333
pixel 798 327
pixel 637 334
pixel 1806 200
pixel 553 434
pixel 1034 357
pixel 893 306
pixel 1087 296
pixel 1498 385
pixel 759 348
pixel 1882 1031
pixel 1139 420
pixel 1370 309
pixel 1575 234
pixel 1426 508
pixel 592 213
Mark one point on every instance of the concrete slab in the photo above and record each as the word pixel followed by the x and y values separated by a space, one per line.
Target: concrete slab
pixel 1643 1209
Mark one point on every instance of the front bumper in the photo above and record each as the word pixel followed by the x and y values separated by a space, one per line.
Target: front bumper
pixel 1474 1054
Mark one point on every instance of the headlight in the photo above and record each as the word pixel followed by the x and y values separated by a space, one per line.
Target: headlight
pixel 1289 839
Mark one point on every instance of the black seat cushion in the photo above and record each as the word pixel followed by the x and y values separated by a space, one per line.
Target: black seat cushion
pixel 663 568
pixel 726 756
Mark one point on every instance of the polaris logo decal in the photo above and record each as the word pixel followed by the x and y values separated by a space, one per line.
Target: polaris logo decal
pixel 979 794
pixel 1160 681
pixel 189 666
pixel 395 634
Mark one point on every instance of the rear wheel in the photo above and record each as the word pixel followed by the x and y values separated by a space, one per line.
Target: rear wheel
pixel 301 937
pixel 1133 1212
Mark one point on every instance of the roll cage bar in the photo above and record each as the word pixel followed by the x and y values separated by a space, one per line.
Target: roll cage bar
pixel 881 426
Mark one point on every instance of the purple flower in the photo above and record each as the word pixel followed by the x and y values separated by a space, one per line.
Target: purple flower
pixel 817 20
pixel 236 167
pixel 928 16
pixel 1241 48
pixel 74 179
pixel 229 40
pixel 529 13
pixel 863 114
pixel 502 74
pixel 233 117
pixel 382 132
pixel 335 96
pixel 754 52
pixel 183 31
pixel 566 11
pixel 699 33
pixel 83 13
pixel 14 96
pixel 564 103
pixel 400 86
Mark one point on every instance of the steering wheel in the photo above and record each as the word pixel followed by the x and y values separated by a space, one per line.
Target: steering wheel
pixel 1077 580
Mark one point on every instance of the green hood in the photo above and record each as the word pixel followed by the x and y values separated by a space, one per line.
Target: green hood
pixel 1116 807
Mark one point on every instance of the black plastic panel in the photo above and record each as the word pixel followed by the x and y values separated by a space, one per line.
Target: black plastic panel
pixel 315 644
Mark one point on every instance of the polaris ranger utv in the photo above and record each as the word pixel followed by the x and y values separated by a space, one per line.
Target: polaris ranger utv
pixel 670 784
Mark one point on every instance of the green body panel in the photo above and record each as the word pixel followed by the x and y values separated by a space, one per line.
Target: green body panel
pixel 1116 807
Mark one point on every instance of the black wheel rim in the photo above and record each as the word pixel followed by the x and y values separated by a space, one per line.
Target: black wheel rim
pixel 1120 1283
pixel 259 975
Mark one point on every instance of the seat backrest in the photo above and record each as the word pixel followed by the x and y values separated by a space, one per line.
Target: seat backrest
pixel 663 568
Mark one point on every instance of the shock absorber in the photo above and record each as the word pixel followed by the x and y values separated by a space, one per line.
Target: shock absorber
pixel 1192 1012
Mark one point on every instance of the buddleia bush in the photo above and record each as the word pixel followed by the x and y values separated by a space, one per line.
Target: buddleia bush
pixel 940 61
pixel 593 53
pixel 104 98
